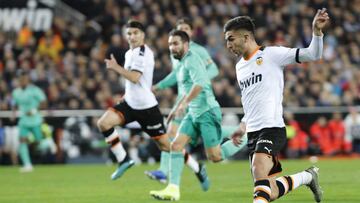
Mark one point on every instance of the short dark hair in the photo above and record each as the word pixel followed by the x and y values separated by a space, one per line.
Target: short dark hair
pixel 184 37
pixel 184 20
pixel 135 24
pixel 240 22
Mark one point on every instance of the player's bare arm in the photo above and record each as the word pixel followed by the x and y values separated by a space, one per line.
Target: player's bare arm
pixel 112 64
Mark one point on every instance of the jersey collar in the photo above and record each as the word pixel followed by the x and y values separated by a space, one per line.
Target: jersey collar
pixel 252 54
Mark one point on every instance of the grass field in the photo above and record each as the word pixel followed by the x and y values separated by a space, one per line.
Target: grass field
pixel 230 182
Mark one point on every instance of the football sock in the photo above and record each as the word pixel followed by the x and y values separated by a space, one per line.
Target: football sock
pixel 285 185
pixel 176 167
pixel 288 183
pixel 112 138
pixel 227 130
pixel 262 191
pixel 302 178
pixel 24 154
pixel 228 148
pixel 164 162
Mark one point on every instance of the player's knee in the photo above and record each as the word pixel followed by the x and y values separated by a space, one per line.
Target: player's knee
pixel 164 146
pixel 177 147
pixel 171 133
pixel 103 125
pixel 215 157
pixel 258 169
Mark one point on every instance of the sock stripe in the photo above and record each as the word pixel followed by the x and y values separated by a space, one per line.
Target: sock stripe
pixel 261 199
pixel 263 188
pixel 284 182
pixel 110 135
pixel 289 181
pixel 264 182
pixel 107 133
pixel 114 142
pixel 281 188
pixel 186 155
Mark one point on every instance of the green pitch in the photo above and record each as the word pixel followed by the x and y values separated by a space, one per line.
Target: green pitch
pixel 230 182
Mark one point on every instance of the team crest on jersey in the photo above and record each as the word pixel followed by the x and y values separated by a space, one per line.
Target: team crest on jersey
pixel 259 60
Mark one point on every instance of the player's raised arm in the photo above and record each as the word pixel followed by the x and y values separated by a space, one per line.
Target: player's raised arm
pixel 314 50
pixel 285 56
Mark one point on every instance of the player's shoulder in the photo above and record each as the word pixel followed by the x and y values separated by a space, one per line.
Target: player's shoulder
pixel 16 91
pixel 193 59
pixel 142 50
pixel 197 47
pixel 275 49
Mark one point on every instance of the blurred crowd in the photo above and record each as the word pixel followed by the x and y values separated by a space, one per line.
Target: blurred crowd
pixel 67 61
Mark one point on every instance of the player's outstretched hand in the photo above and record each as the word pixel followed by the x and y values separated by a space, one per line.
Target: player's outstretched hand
pixel 236 137
pixel 238 134
pixel 111 63
pixel 320 20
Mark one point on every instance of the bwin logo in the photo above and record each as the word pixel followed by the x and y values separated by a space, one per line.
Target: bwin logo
pixel 250 81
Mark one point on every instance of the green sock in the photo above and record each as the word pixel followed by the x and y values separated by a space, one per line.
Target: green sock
pixel 228 130
pixel 176 167
pixel 164 162
pixel 24 154
pixel 228 148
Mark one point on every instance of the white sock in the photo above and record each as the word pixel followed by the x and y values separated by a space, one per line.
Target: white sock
pixel 301 178
pixel 192 163
pixel 117 149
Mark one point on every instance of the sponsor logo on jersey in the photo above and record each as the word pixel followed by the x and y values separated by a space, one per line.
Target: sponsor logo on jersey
pixel 250 81
pixel 259 60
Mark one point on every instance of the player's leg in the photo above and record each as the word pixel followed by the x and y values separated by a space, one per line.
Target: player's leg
pixel 172 191
pixel 265 166
pixel 264 189
pixel 211 132
pixel 308 177
pixel 111 118
pixel 265 146
pixel 162 173
pixel 24 149
pixel 44 142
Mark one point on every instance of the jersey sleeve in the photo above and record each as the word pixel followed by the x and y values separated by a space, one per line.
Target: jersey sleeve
pixel 168 81
pixel 138 60
pixel 282 55
pixel 285 56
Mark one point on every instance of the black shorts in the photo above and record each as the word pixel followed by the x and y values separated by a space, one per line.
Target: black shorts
pixel 150 120
pixel 269 141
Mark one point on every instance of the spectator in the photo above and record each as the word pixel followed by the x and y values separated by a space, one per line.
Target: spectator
pixel 320 137
pixel 337 129
pixel 297 144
